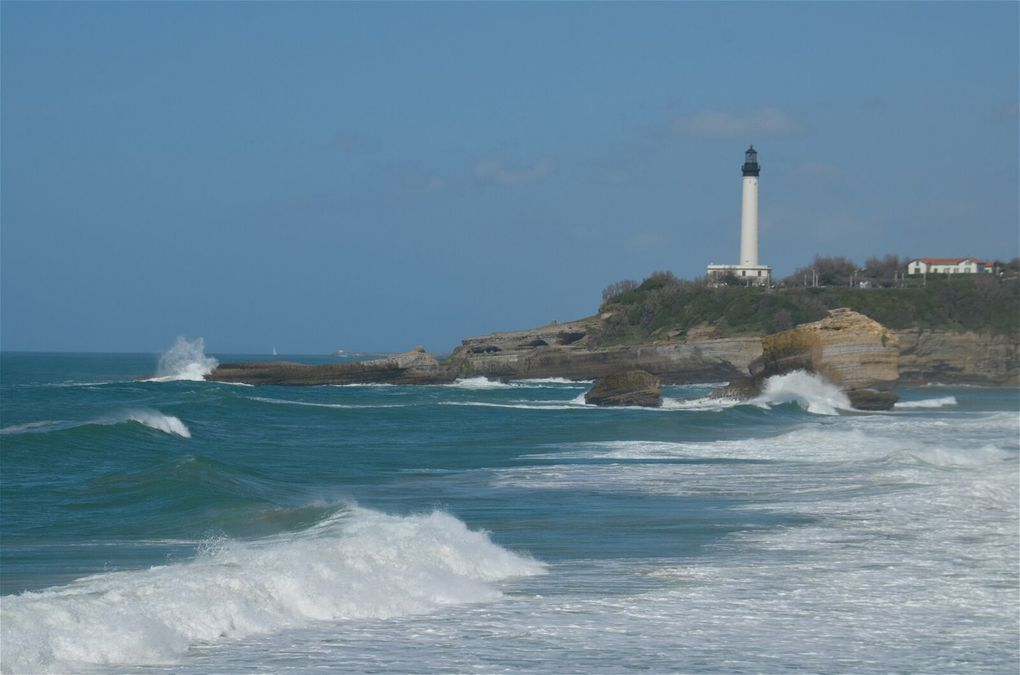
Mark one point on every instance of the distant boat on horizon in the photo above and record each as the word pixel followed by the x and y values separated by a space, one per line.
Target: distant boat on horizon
pixel 275 353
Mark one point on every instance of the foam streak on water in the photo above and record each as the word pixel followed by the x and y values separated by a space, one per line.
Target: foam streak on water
pixel 357 564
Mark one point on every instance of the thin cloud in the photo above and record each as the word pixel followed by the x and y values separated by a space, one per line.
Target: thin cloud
pixel 496 172
pixel 761 123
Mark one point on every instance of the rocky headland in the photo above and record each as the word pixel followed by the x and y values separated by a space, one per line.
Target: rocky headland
pixel 865 358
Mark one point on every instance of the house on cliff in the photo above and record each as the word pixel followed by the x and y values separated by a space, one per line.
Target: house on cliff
pixel 949 266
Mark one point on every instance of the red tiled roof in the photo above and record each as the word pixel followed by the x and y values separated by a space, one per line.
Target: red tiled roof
pixel 951 261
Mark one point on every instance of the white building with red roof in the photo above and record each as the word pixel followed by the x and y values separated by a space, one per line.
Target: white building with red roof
pixel 949 266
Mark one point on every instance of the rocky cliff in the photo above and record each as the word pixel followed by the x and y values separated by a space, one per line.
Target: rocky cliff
pixel 857 354
pixel 946 357
pixel 563 350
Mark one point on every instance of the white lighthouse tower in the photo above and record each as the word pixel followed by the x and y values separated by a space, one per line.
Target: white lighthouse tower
pixel 748 271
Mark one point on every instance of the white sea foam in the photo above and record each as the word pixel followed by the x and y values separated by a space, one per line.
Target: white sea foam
pixel 540 381
pixel 479 383
pixel 534 405
pixel 357 564
pixel 703 403
pixel 927 403
pixel 281 401
pixel 29 427
pixel 575 403
pixel 186 360
pixel 810 391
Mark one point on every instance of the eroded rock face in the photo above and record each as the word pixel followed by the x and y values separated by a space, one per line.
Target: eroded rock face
pixel 846 348
pixel 629 388
pixel 562 350
pixel 951 357
pixel 854 352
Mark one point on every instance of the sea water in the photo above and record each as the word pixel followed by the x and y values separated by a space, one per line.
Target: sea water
pixel 176 525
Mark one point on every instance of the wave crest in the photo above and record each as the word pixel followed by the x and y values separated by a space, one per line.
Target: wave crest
pixel 154 419
pixel 355 564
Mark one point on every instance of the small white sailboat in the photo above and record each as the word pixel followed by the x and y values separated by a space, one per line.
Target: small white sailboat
pixel 275 353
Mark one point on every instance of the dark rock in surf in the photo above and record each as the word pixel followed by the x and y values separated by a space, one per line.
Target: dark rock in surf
pixel 629 388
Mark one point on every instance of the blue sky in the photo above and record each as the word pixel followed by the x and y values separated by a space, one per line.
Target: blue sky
pixel 382 175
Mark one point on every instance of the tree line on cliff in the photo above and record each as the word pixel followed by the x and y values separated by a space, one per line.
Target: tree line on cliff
pixel 664 306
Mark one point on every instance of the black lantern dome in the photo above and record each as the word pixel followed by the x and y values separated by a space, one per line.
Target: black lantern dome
pixel 751 167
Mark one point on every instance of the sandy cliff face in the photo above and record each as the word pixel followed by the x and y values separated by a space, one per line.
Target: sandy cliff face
pixel 958 358
pixel 857 354
pixel 561 350
pixel 847 348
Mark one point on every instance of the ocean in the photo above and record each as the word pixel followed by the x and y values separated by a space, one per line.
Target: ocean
pixel 182 526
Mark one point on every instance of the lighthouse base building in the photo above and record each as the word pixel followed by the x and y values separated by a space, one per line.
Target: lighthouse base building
pixel 758 275
pixel 748 272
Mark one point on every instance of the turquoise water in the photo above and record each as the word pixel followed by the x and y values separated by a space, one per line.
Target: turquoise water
pixel 188 526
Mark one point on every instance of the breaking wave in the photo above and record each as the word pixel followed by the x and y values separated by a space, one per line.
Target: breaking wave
pixel 186 360
pixel 152 419
pixel 354 564
pixel 810 391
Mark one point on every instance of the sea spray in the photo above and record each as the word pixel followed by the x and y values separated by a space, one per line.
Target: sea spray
pixel 186 360
pixel 810 391
pixel 355 564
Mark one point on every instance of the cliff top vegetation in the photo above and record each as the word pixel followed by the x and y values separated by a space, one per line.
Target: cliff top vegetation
pixel 664 306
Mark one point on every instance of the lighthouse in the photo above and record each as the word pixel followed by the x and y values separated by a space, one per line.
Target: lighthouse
pixel 748 271
pixel 749 210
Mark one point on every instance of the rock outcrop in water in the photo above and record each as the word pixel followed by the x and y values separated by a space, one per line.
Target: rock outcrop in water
pixel 414 367
pixel 857 354
pixel 629 388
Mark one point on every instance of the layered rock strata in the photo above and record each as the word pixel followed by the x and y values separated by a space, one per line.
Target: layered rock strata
pixel 562 350
pixel 939 356
pixel 858 354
